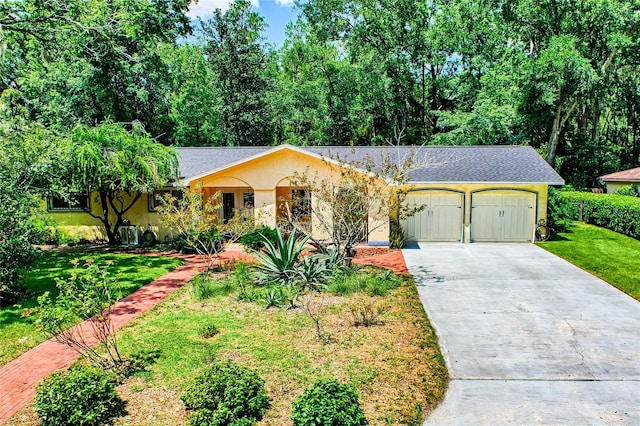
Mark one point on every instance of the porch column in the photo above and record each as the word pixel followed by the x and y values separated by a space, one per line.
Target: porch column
pixel 379 226
pixel 264 202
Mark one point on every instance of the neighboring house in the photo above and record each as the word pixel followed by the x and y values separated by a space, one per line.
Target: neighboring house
pixel 469 194
pixel 615 181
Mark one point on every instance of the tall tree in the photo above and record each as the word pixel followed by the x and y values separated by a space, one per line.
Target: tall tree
pixel 120 166
pixel 195 101
pixel 233 46
pixel 88 61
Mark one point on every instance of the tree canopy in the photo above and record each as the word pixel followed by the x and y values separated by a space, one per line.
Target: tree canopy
pixel 119 165
pixel 562 77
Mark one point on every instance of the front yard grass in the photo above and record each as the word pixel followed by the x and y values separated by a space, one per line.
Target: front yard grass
pixel 396 366
pixel 609 255
pixel 17 333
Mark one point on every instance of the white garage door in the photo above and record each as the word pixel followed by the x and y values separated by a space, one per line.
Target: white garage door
pixel 502 216
pixel 439 220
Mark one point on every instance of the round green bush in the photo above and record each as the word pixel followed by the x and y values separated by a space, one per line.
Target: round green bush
pixel 328 403
pixel 255 240
pixel 80 396
pixel 226 394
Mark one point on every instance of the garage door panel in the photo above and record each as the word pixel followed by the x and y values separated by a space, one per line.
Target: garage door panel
pixel 485 217
pixel 502 216
pixel 517 223
pixel 440 219
pixel 415 226
pixel 446 220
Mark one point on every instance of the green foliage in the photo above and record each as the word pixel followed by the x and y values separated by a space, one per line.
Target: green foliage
pixel 629 190
pixel 87 295
pixel 208 330
pixel 195 99
pixel 559 210
pixel 374 283
pixel 254 240
pixel 27 153
pixel 281 296
pixel 397 237
pixel 119 165
pixel 328 403
pixel 80 396
pixel 89 61
pixel 278 261
pixel 226 394
pixel 232 47
pixel 314 271
pixel 15 243
pixel 620 213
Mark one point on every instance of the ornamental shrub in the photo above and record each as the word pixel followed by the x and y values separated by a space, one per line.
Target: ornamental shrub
pixel 80 396
pixel 619 213
pixel 559 211
pixel 328 403
pixel 255 240
pixel 226 394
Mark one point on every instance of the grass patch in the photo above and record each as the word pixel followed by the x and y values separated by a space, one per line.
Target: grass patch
pixel 17 334
pixel 611 256
pixel 395 365
pixel 372 280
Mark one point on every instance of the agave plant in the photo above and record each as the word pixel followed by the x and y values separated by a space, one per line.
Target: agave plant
pixel 313 272
pixel 278 261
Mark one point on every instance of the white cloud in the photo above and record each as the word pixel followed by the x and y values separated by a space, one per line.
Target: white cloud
pixel 285 2
pixel 205 8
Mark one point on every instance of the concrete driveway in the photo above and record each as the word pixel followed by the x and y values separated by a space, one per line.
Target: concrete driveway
pixel 528 338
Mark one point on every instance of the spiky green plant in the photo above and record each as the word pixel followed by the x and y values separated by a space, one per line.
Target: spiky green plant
pixel 278 261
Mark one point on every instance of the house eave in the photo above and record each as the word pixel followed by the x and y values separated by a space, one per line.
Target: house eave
pixel 187 181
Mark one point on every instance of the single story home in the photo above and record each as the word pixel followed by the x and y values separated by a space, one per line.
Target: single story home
pixel 466 193
pixel 615 181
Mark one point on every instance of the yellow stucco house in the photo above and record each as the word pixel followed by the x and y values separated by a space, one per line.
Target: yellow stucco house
pixel 467 194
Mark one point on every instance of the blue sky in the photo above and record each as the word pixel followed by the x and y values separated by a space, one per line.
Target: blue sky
pixel 277 13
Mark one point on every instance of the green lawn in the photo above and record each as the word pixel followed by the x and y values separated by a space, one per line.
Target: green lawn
pixel 611 256
pixel 395 365
pixel 17 334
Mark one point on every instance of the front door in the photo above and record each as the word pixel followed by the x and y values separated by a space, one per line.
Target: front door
pixel 228 205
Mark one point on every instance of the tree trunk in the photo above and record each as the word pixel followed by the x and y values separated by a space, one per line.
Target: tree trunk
pixel 597 111
pixel 552 145
pixel 558 124
pixel 111 235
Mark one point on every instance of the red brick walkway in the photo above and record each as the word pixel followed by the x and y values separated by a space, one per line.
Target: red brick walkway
pixel 392 260
pixel 19 377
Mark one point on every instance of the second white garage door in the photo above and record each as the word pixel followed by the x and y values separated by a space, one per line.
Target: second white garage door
pixel 502 216
pixel 439 220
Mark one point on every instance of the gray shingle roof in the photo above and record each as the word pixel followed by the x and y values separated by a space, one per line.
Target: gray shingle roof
pixel 434 164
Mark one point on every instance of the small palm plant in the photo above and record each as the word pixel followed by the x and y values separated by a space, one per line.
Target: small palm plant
pixel 278 261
